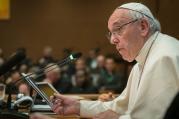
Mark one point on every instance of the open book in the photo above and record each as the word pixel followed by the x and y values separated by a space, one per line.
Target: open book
pixel 45 90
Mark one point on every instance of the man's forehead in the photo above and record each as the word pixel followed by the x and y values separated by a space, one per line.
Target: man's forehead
pixel 118 16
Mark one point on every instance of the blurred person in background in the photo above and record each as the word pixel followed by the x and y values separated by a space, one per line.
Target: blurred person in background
pixel 110 79
pixel 99 70
pixel 1 57
pixel 82 83
pixel 91 60
pixel 52 73
pixel 47 57
pixel 69 69
pixel 23 88
pixel 80 64
pixel 24 68
pixel 100 61
pixel 13 81
pixel 54 77
pixel 27 61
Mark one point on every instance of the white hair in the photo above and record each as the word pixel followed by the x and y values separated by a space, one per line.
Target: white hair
pixel 138 11
pixel 153 22
pixel 52 67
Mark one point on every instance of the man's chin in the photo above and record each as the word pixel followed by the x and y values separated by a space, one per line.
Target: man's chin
pixel 127 59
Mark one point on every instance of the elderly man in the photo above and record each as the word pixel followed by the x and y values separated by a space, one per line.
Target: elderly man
pixel 52 73
pixel 153 81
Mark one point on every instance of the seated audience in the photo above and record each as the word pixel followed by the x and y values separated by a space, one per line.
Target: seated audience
pixel 47 57
pixel 82 83
pixel 91 60
pixel 23 89
pixel 99 70
pixel 1 57
pixel 110 79
pixel 53 76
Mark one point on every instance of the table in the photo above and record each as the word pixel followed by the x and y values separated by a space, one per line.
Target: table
pixel 78 96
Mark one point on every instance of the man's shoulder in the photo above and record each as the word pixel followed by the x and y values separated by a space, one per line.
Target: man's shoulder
pixel 167 42
pixel 165 46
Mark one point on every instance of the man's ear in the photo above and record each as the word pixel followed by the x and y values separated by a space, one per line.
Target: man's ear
pixel 144 27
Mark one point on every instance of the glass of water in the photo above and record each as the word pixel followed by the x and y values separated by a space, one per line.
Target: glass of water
pixel 2 91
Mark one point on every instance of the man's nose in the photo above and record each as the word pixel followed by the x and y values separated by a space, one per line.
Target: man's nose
pixel 114 40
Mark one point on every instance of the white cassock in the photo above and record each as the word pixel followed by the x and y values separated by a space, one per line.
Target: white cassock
pixel 152 84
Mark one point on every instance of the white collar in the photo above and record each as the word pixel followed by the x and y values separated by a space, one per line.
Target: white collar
pixel 142 55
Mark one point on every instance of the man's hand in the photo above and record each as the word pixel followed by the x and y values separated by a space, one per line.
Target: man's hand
pixel 109 114
pixel 106 97
pixel 65 105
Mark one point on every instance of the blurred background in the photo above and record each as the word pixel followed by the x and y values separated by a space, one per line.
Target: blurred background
pixel 73 24
pixel 49 30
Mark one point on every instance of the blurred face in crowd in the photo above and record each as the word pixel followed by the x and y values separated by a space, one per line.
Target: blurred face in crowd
pixel 127 34
pixel 1 52
pixel 92 53
pixel 24 89
pixel 100 61
pixel 48 52
pixel 1 61
pixel 15 76
pixel 80 77
pixel 80 64
pixel 110 64
pixel 23 68
pixel 53 73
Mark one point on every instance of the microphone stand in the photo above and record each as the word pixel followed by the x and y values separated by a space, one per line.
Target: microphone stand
pixel 10 88
pixel 9 99
pixel 60 64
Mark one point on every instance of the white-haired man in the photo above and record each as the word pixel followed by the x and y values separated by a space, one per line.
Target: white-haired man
pixel 153 81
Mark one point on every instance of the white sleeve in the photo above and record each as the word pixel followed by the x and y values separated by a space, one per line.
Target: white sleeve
pixel 91 108
pixel 119 105
pixel 125 117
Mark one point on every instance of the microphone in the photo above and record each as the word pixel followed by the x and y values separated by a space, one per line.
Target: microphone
pixel 75 55
pixel 12 61
pixel 70 58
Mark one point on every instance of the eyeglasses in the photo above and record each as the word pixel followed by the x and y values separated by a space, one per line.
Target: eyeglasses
pixel 118 30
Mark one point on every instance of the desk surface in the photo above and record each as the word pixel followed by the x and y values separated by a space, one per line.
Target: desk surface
pixel 78 96
pixel 55 116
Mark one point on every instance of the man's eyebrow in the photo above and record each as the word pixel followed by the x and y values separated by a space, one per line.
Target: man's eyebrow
pixel 118 23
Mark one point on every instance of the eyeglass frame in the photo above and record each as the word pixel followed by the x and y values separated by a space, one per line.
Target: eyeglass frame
pixel 116 32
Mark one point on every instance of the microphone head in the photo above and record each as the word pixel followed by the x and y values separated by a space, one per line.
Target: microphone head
pixel 12 61
pixel 19 55
pixel 74 56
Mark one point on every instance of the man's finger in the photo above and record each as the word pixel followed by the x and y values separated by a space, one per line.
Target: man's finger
pixel 55 106
pixel 59 110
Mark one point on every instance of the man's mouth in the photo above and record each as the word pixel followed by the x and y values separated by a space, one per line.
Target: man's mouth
pixel 119 49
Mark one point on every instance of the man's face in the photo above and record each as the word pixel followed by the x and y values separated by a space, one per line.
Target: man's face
pixel 125 34
pixel 80 64
pixel 100 61
pixel 110 64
